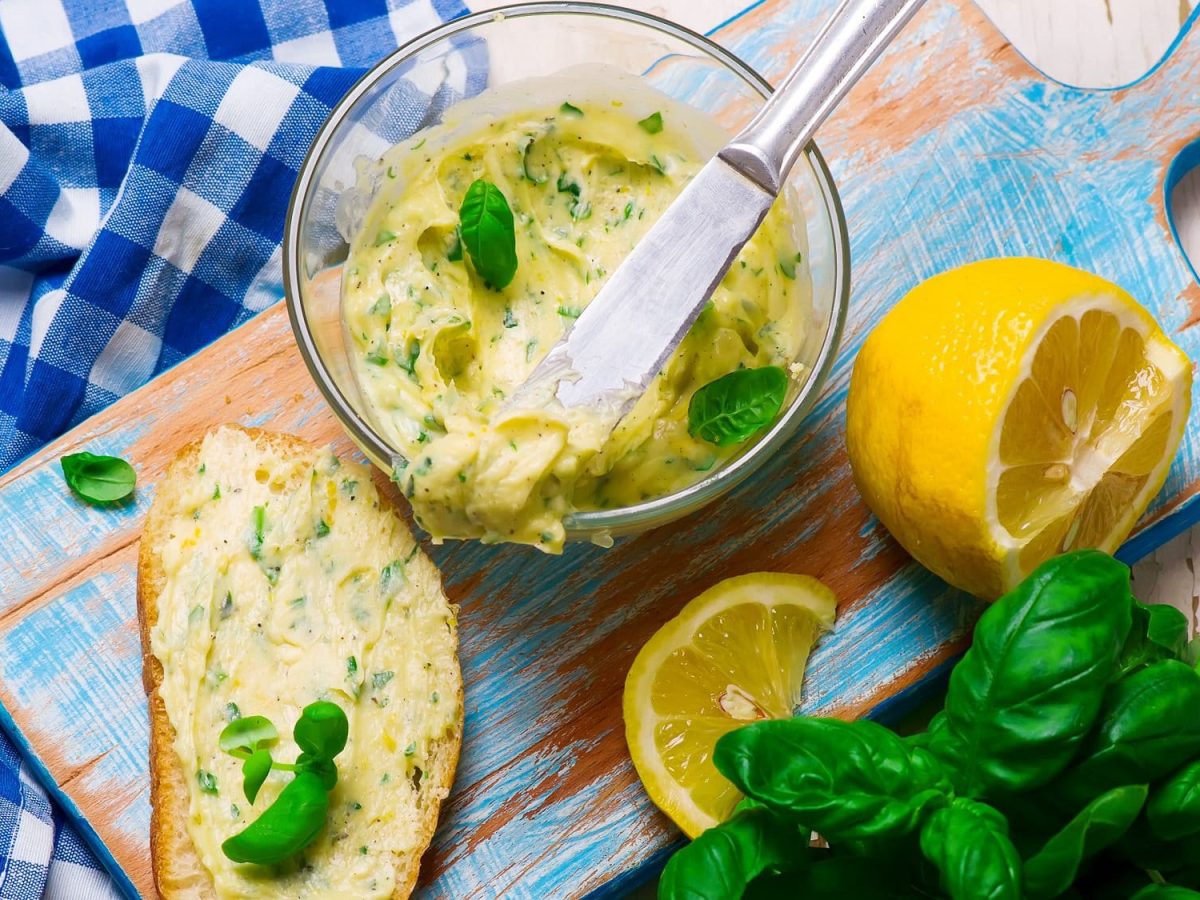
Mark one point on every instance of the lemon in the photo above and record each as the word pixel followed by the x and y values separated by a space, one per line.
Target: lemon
pixel 1009 410
pixel 733 655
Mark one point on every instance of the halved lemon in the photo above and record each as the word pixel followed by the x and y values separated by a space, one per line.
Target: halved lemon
pixel 1012 409
pixel 733 655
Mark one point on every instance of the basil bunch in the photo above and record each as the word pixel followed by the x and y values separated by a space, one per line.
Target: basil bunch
pixel 298 814
pixel 1071 727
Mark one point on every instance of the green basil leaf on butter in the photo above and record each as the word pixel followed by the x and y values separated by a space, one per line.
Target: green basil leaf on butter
pixel 652 124
pixel 289 824
pixel 736 406
pixel 255 770
pixel 98 479
pixel 247 733
pixel 322 729
pixel 488 233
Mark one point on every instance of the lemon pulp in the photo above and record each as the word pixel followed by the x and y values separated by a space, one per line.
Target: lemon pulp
pixel 733 655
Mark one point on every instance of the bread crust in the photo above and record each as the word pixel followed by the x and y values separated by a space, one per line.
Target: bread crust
pixel 178 871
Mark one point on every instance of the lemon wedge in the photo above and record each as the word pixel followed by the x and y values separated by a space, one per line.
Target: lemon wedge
pixel 733 655
pixel 1013 409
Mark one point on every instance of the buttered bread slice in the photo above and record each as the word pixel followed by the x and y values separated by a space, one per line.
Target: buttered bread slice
pixel 271 576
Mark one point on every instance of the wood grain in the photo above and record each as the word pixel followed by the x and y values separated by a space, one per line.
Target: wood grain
pixel 938 164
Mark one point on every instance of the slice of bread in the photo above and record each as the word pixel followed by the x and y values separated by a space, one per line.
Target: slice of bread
pixel 289 620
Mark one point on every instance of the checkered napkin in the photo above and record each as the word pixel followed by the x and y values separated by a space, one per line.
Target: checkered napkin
pixel 147 153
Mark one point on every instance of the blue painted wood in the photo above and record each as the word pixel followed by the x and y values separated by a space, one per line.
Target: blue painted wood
pixel 952 150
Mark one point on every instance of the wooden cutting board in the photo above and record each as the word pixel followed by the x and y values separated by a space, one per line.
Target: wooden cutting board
pixel 953 149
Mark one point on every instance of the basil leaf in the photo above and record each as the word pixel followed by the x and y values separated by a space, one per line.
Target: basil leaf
pixel 845 780
pixel 488 233
pixel 255 770
pixel 98 479
pixel 1159 632
pixel 1023 698
pixel 322 729
pixel 247 733
pixel 1147 728
pixel 736 406
pixel 722 861
pixel 968 844
pixel 287 826
pixel 1173 811
pixel 652 124
pixel 1053 869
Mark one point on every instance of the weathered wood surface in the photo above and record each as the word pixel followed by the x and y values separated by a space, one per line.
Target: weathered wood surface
pixel 952 149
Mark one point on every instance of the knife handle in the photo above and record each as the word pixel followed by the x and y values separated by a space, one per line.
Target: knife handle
pixel 858 31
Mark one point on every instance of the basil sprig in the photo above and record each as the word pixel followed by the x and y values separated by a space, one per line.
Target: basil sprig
pixel 488 233
pixel 298 814
pixel 98 479
pixel 1066 763
pixel 736 406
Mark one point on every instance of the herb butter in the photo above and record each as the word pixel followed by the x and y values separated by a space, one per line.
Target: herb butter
pixel 437 350
pixel 287 581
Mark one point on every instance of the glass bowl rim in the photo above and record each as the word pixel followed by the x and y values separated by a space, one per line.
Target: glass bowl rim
pixel 587 522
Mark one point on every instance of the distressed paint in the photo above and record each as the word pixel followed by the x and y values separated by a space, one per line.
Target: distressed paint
pixel 952 149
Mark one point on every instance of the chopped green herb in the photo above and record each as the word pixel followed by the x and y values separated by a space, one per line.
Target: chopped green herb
pixel 788 266
pixel 419 144
pixel 349 485
pixel 570 110
pixel 382 306
pixel 580 211
pixel 232 713
pixel 391 575
pixel 433 698
pixel 258 520
pixel 299 601
pixel 272 573
pixel 391 171
pixel 652 124
pixel 208 781
pixel 408 362
pixel 411 748
pixel 628 211
pixel 462 476
pixel 529 350
pixel 203 468
pixel 384 237
pixel 658 165
pixel 568 185
pixel 509 320
pixel 379 679
pixel 217 492
pixel 227 605
pixel 377 358
pixel 363 850
pixel 322 528
pixel 570 312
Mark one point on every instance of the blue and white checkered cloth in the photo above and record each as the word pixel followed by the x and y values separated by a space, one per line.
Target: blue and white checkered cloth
pixel 147 153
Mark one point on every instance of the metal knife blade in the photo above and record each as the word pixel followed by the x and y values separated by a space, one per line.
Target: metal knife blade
pixel 626 333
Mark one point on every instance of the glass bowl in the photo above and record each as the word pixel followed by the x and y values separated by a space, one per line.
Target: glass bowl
pixel 414 87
